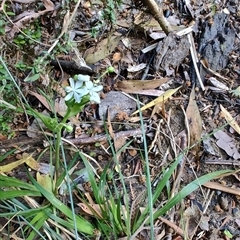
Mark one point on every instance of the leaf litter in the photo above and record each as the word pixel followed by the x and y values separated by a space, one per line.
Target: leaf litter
pixel 131 60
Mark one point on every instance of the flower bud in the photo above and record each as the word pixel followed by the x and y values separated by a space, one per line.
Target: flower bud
pixel 69 128
pixel 111 69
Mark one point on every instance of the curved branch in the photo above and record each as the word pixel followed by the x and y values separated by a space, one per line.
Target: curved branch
pixel 157 13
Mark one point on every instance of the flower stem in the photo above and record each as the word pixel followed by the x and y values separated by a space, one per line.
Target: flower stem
pixel 57 155
pixel 58 144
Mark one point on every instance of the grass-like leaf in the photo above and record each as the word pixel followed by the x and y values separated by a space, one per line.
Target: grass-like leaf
pixel 25 213
pixel 189 189
pixel 24 189
pixel 82 224
pixel 37 222
pixel 6 181
pixel 157 192
pixel 18 193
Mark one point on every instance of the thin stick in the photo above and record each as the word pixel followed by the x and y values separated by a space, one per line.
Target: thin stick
pixel 195 59
pixel 157 13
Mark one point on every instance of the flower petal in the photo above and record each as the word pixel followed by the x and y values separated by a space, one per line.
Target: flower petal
pixel 95 97
pixel 89 84
pixel 78 84
pixel 71 81
pixel 68 89
pixel 77 97
pixel 82 91
pixel 68 96
pixel 84 78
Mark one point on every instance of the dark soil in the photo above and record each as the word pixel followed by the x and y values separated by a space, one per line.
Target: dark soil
pixel 210 212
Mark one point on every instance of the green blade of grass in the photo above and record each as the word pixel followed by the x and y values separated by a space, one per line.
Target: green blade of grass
pixel 63 174
pixel 183 193
pixel 18 193
pixel 68 224
pixel 25 213
pixel 157 192
pixel 96 190
pixel 13 206
pixel 39 220
pixel 6 181
pixel 147 172
pixel 7 154
pixel 125 222
pixel 189 189
pixel 162 183
pixel 82 224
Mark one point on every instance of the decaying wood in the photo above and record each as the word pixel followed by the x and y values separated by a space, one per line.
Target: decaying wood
pixel 103 138
pixel 72 67
pixel 223 162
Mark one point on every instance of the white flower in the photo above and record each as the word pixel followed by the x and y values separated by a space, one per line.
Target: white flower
pixel 83 78
pixel 80 87
pixel 75 90
pixel 94 97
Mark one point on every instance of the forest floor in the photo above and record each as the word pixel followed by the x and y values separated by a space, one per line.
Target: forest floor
pixel 186 83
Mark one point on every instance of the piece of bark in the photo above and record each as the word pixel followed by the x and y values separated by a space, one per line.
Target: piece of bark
pixel 71 67
pixel 102 138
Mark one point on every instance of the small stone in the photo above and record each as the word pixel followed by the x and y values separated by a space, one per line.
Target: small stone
pixel 116 102
pixel 223 203
pixel 236 212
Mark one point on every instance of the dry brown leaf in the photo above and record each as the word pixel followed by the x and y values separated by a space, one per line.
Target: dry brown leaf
pixel 220 187
pixel 194 121
pixel 66 22
pixel 92 209
pixel 218 84
pixel 227 143
pixel 24 1
pixel 45 181
pixel 133 86
pixel 41 99
pixel 132 152
pixel 109 125
pixel 205 64
pixel 230 119
pixel 21 23
pixel 161 99
pixel 118 141
pixel 23 14
pixel 102 50
pixel 48 5
pixel 136 68
pixel 60 106
pixel 191 215
pixel 150 92
pixel 31 162
pixel 117 57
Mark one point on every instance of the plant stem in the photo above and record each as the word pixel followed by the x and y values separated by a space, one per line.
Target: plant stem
pixel 58 144
pixel 57 154
pixel 65 118
pixel 148 175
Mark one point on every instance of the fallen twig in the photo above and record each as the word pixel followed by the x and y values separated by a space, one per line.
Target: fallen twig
pixel 220 187
pixel 157 13
pixel 223 162
pixel 195 59
pixel 177 229
pixel 101 138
